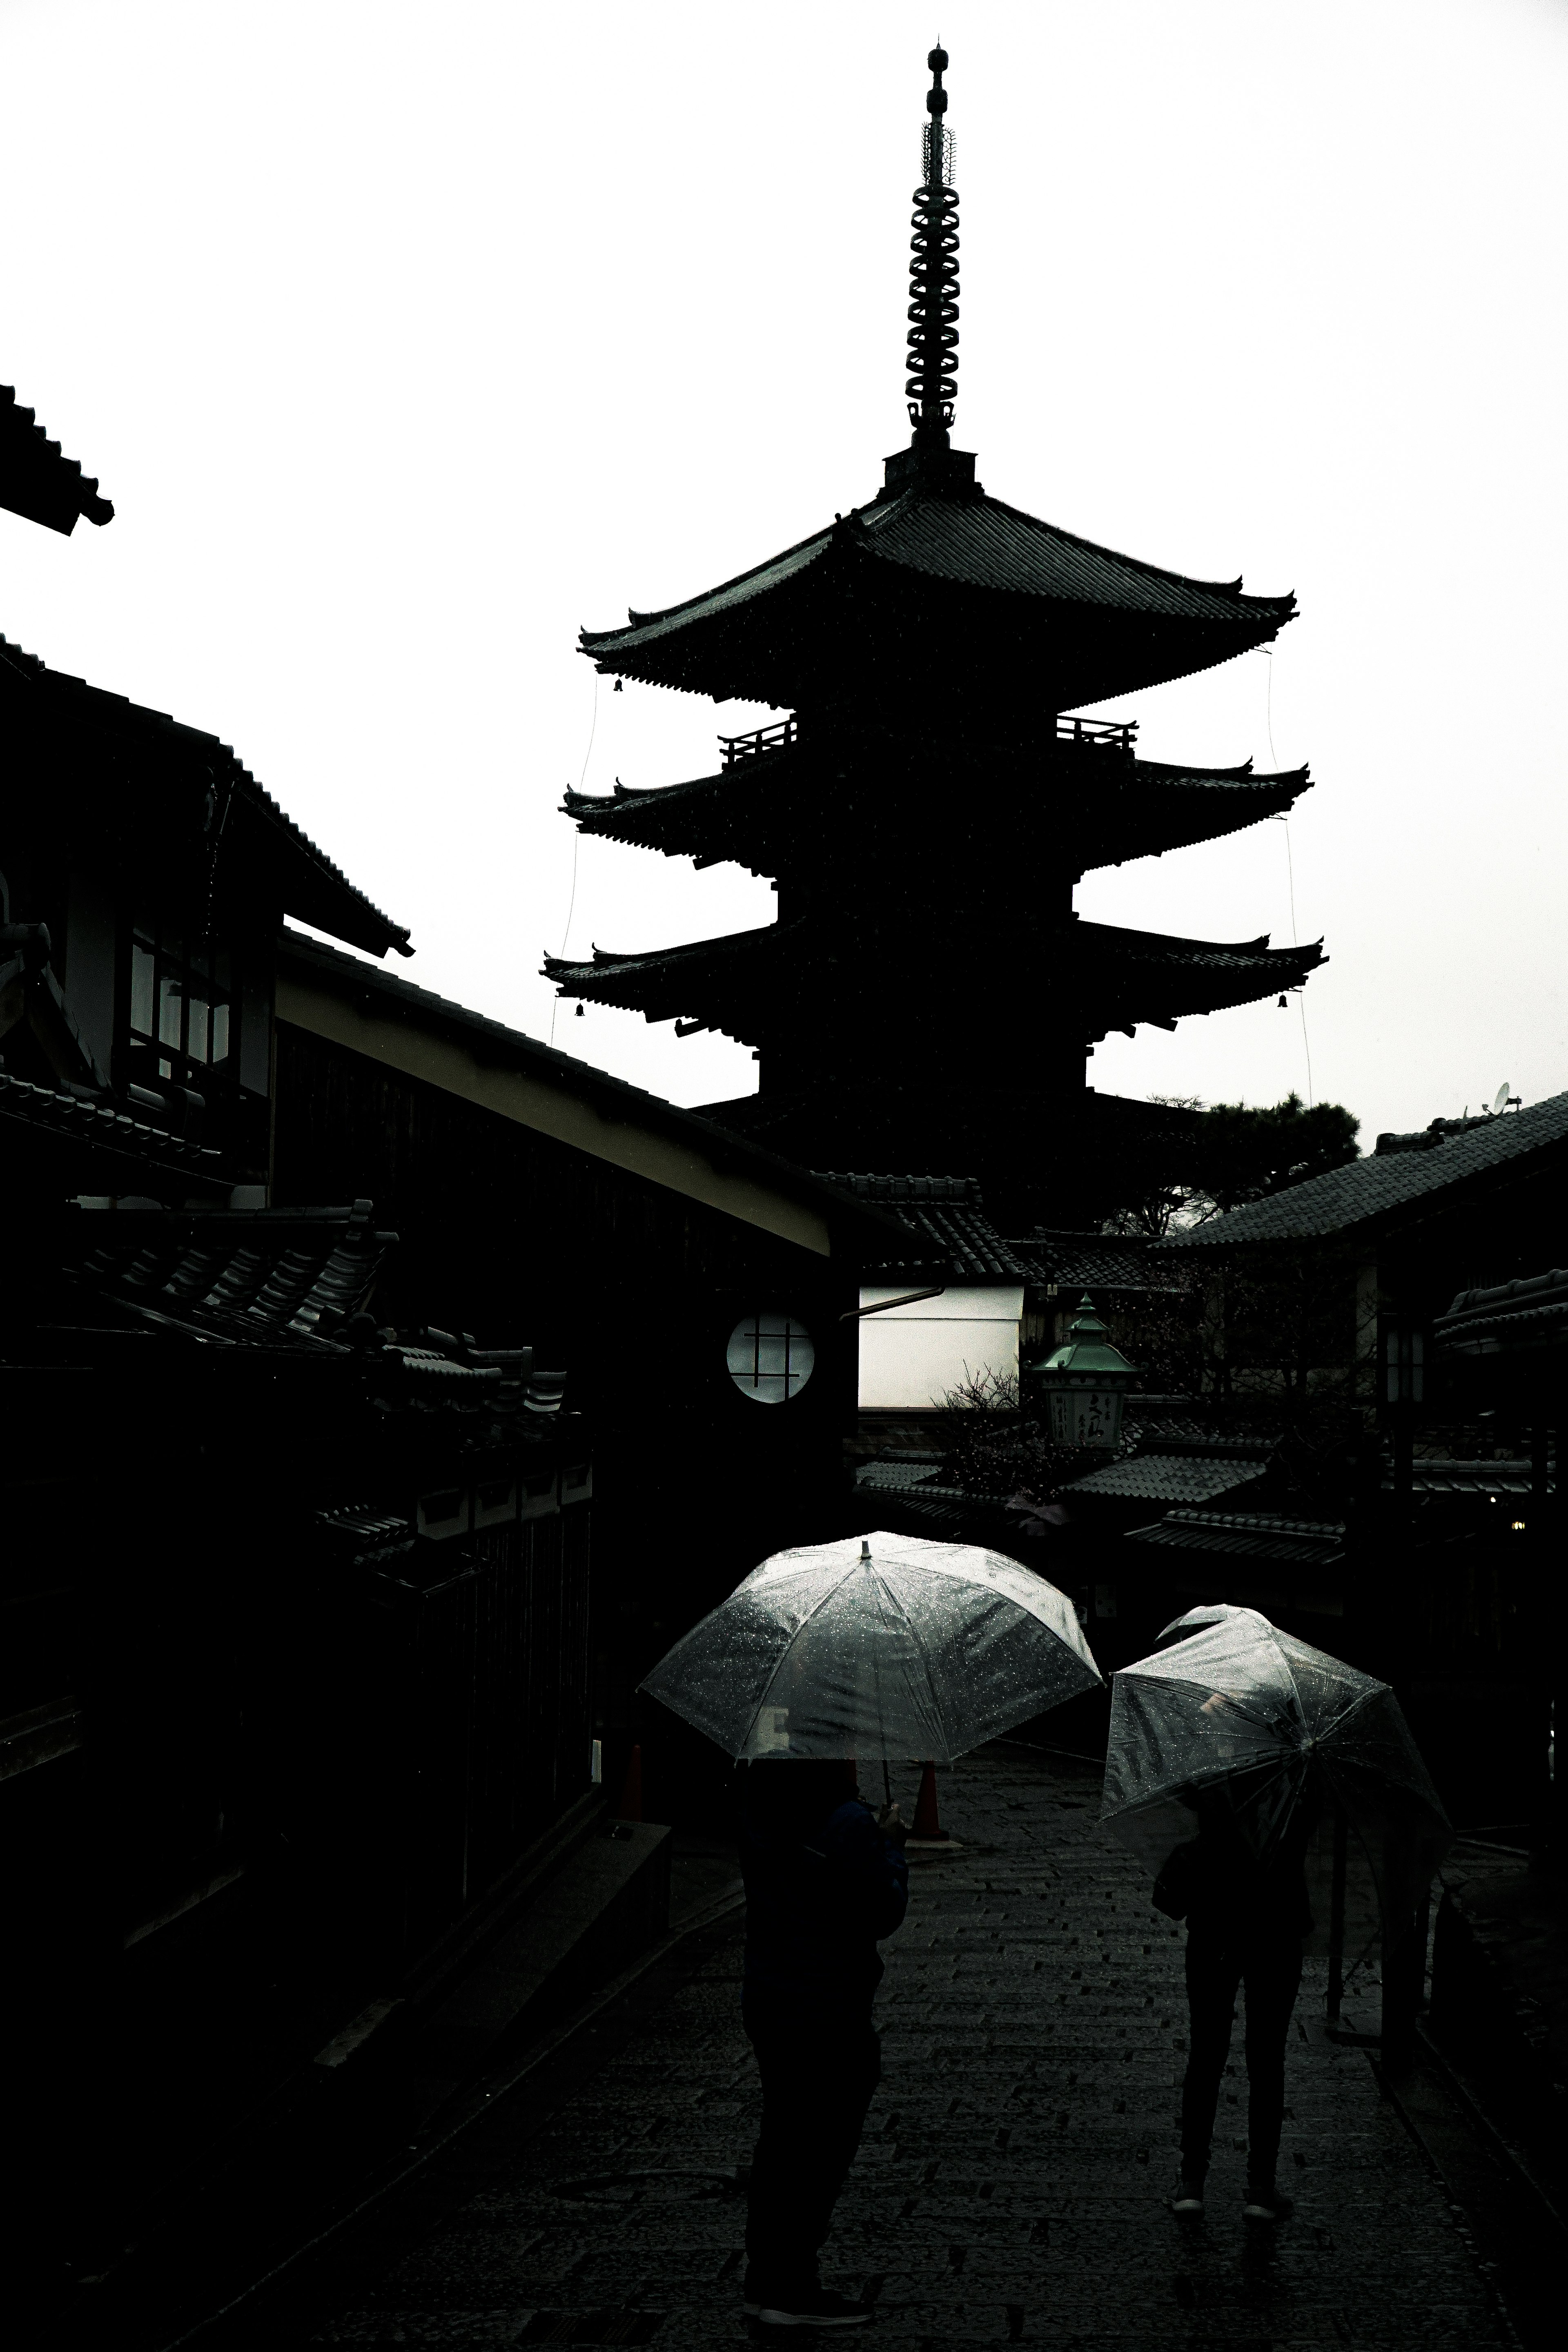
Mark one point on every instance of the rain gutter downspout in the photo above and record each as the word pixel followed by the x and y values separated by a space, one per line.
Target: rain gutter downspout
pixel 885 1306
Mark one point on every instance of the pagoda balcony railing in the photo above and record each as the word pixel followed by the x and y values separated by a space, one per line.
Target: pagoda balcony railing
pixel 1119 733
pixel 1113 734
pixel 760 741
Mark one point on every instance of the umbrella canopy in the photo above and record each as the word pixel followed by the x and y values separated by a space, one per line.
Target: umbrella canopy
pixel 877 1646
pixel 1209 1612
pixel 1247 1712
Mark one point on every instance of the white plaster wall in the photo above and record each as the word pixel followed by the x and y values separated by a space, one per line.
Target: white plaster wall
pixel 912 1355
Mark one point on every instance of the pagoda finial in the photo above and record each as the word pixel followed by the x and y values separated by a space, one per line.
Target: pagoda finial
pixel 934 277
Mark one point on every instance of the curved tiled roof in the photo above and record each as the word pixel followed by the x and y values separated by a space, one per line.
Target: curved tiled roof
pixel 976 542
pixel 761 812
pixel 1529 1313
pixel 1131 976
pixel 1119 976
pixel 1169 1477
pixel 946 1216
pixel 1249 1535
pixel 100 1123
pixel 1009 588
pixel 1094 1262
pixel 664 982
pixel 1366 1191
pixel 36 481
pixel 314 889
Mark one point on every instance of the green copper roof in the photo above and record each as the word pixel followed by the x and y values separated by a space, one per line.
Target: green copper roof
pixel 1086 1351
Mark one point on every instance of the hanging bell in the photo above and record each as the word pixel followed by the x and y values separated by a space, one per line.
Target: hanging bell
pixel 580 1009
pixel 619 688
pixel 1284 1007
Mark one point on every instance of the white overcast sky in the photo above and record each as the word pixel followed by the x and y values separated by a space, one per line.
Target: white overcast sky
pixel 406 338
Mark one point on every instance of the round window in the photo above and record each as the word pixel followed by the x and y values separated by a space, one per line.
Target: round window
pixel 770 1358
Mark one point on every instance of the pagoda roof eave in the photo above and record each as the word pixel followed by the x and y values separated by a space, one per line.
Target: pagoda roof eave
pixel 1179 810
pixel 738 982
pixel 973 541
pixel 742 968
pixel 1011 575
pixel 745 813
pixel 1159 977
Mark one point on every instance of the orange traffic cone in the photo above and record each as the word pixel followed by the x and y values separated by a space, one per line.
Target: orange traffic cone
pixel 630 1808
pixel 927 1826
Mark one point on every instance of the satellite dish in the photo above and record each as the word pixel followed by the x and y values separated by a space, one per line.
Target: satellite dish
pixel 1500 1100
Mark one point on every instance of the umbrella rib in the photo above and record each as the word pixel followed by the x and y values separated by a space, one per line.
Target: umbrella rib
pixel 914 1632
pixel 807 1615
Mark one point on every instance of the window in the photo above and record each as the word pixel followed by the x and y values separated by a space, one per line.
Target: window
pixel 770 1358
pixel 181 1003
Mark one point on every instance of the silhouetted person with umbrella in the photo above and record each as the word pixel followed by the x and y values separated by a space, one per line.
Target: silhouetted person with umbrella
pixel 825 1880
pixel 1245 1920
pixel 1225 1745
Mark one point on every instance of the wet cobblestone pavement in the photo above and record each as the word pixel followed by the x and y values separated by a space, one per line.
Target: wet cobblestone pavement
pixel 1011 2184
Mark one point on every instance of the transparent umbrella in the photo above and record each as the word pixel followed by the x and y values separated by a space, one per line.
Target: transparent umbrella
pixel 1243 1713
pixel 1195 1620
pixel 877 1646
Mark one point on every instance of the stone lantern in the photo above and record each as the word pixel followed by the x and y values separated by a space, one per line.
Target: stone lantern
pixel 1085 1379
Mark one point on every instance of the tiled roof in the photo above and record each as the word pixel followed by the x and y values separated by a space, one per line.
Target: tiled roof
pixel 1120 977
pixel 1169 1477
pixel 1376 1189
pixel 1248 1535
pixel 1525 1315
pixel 1095 1262
pixel 1432 1475
pixel 664 982
pixel 895 1477
pixel 945 1214
pixel 262 1278
pixel 94 1121
pixel 1154 808
pixel 1011 598
pixel 35 480
pixel 764 812
pixel 977 542
pixel 1126 976
pixel 63 710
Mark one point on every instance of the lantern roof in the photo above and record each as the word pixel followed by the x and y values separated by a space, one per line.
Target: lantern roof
pixel 1087 1350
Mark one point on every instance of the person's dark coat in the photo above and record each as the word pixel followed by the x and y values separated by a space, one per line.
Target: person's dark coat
pixel 1226 1893
pixel 824 1885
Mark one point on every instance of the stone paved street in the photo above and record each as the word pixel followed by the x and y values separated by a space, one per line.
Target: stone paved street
pixel 1010 2188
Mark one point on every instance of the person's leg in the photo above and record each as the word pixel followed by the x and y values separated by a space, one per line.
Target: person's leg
pixel 1213 1975
pixel 779 2248
pixel 1273 1978
pixel 851 2064
pixel 816 2087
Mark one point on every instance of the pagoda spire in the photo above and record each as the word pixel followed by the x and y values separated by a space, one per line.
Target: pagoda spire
pixel 933 358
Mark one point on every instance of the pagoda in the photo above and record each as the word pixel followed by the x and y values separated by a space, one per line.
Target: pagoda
pixel 927 997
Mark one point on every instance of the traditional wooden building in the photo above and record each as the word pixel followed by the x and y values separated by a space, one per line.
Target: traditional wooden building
pixel 295 1656
pixel 927 997
pixel 704 1291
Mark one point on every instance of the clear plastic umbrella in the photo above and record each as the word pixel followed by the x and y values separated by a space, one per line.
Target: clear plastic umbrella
pixel 1246 1712
pixel 1209 1612
pixel 877 1646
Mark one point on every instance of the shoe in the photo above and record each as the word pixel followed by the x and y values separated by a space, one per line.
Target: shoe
pixel 1265 2203
pixel 1189 2196
pixel 818 2306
